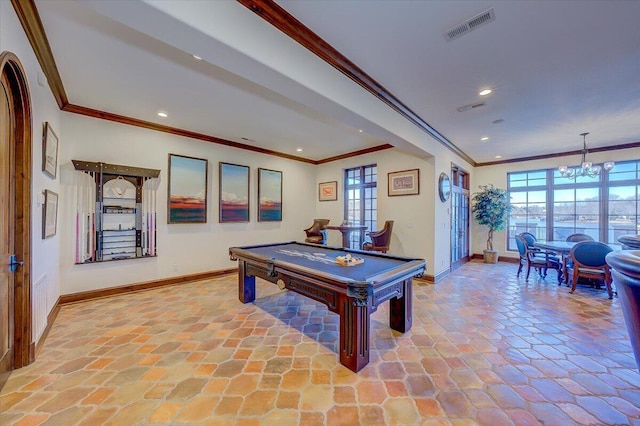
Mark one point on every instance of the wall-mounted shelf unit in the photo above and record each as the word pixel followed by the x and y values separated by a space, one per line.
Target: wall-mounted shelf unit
pixel 116 211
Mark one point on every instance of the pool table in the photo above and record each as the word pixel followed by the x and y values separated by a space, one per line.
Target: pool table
pixel 353 292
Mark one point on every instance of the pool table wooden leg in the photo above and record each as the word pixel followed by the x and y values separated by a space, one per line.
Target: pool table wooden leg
pixel 354 334
pixel 246 284
pixel 401 308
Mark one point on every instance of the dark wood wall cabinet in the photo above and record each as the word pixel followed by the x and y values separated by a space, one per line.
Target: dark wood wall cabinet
pixel 115 211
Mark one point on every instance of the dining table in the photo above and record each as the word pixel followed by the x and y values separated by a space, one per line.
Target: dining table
pixel 563 248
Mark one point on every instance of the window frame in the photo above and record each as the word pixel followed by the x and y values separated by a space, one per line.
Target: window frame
pixel 553 184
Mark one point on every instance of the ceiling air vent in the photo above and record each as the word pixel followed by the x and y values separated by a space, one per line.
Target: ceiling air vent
pixel 470 24
pixel 471 106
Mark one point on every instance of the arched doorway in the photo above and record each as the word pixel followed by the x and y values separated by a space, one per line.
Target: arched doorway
pixel 16 349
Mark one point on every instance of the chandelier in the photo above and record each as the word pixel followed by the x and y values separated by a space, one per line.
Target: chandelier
pixel 587 168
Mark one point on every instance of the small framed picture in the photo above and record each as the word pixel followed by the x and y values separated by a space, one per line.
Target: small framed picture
pixel 328 191
pixel 49 214
pixel 405 182
pixel 49 151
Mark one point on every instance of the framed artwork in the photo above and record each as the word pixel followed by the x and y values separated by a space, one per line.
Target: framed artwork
pixel 49 151
pixel 269 195
pixel 187 195
pixel 49 214
pixel 234 193
pixel 405 182
pixel 328 191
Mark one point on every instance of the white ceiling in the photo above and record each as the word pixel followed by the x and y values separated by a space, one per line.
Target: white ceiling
pixel 557 69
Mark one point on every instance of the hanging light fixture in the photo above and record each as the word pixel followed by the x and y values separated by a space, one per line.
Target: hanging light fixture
pixel 587 168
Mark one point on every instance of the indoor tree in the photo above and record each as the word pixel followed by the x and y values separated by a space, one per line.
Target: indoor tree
pixel 490 207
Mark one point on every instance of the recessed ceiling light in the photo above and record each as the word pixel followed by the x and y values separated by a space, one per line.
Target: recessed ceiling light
pixel 360 130
pixel 299 149
pixel 484 138
pixel 197 57
pixel 485 92
pixel 162 114
pixel 498 156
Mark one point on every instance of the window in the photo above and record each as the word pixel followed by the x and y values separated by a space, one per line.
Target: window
pixel 361 199
pixel 553 207
pixel 623 200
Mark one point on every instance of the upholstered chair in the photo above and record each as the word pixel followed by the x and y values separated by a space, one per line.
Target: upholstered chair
pixel 588 258
pixel 316 233
pixel 380 240
pixel 576 238
pixel 532 259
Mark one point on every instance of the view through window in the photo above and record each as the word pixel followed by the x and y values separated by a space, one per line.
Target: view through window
pixel 553 207
pixel 361 200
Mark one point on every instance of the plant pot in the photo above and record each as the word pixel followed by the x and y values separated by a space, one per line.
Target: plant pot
pixel 490 256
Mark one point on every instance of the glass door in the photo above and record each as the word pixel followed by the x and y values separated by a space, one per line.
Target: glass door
pixel 460 214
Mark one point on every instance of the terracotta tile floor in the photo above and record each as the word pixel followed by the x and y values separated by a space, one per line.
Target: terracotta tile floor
pixel 485 348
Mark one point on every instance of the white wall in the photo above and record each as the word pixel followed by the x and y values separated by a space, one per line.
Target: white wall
pixel 182 248
pixel 497 175
pixel 45 277
pixel 422 224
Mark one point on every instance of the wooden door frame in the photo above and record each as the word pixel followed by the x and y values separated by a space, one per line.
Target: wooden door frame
pixel 23 347
pixel 464 190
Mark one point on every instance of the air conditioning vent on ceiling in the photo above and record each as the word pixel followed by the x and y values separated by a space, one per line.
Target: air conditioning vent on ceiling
pixel 471 106
pixel 470 24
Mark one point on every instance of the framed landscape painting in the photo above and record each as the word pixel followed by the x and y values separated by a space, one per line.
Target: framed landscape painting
pixel 234 193
pixel 405 182
pixel 269 195
pixel 187 195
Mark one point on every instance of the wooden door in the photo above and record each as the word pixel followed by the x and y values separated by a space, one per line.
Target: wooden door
pixel 6 233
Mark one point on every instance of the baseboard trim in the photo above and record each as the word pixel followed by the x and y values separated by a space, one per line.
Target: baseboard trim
pixel 441 275
pixel 50 320
pixel 500 258
pixel 112 291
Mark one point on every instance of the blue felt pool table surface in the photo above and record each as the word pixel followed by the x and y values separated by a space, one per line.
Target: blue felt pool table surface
pixel 323 258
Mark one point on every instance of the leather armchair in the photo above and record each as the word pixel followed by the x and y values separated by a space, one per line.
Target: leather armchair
pixel 380 240
pixel 316 234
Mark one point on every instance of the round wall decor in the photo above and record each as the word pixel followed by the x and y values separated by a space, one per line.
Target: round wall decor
pixel 444 187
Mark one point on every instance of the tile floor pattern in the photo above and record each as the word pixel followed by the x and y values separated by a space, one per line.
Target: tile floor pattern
pixel 485 349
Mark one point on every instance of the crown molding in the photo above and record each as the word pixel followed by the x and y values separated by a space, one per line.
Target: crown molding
pixel 560 154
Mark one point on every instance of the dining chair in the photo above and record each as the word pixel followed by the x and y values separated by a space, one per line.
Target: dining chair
pixel 588 259
pixel 380 240
pixel 530 240
pixel 576 238
pixel 531 259
pixel 316 234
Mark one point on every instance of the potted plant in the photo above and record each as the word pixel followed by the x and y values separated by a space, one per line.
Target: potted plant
pixel 491 207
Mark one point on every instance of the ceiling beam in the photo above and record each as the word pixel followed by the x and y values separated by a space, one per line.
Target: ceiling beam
pixel 290 26
pixel 34 30
pixel 32 25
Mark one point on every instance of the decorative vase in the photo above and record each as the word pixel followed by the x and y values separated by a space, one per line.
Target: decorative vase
pixel 490 256
pixel 625 266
